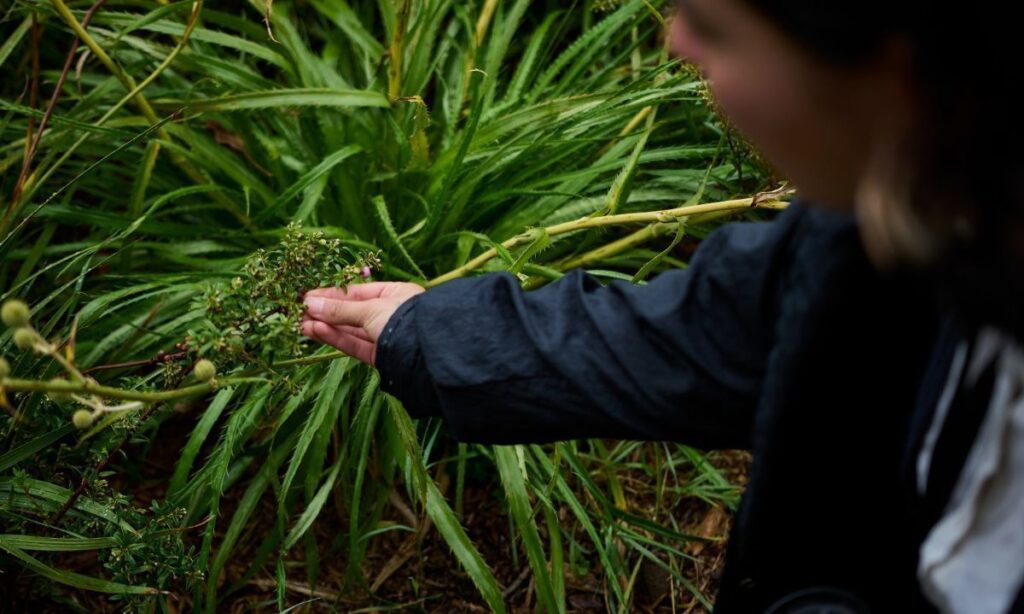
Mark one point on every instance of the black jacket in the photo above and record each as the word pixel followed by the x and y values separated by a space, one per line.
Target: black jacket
pixel 779 337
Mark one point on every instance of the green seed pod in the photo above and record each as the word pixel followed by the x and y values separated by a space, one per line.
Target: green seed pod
pixel 24 338
pixel 82 419
pixel 205 370
pixel 5 367
pixel 15 313
pixel 235 344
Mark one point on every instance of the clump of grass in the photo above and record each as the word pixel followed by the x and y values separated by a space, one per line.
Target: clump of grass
pixel 450 138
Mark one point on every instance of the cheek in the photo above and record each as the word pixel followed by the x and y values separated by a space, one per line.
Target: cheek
pixel 683 43
pixel 810 140
pixel 754 104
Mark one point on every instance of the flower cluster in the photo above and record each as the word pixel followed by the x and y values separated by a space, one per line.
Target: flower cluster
pixel 256 316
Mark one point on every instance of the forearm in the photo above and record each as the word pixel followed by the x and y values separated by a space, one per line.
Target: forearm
pixel 680 358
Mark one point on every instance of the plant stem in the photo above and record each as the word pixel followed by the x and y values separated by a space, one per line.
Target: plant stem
pixel 75 374
pixel 91 387
pixel 639 237
pixel 396 52
pixel 644 217
pixel 126 80
pixel 484 21
pixel 616 247
pixel 29 385
pixel 135 92
pixel 32 140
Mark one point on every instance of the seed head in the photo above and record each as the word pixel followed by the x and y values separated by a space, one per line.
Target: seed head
pixel 205 370
pixel 82 418
pixel 24 338
pixel 15 313
pixel 5 367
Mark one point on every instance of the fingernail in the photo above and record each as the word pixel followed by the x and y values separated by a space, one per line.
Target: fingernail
pixel 314 305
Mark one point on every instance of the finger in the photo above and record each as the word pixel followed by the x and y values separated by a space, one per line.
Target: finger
pixel 325 333
pixel 332 311
pixel 355 331
pixel 356 292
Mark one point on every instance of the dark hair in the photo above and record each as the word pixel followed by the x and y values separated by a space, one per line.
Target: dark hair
pixel 962 166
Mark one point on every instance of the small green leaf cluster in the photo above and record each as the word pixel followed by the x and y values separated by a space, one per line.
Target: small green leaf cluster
pixel 255 317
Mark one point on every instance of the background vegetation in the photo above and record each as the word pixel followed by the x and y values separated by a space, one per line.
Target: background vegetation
pixel 148 151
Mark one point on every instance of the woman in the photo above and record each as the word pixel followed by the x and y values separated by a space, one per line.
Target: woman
pixel 865 347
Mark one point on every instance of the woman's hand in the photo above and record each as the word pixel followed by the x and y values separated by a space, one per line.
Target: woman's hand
pixel 352 319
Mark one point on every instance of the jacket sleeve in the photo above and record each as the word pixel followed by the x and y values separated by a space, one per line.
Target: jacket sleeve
pixel 680 358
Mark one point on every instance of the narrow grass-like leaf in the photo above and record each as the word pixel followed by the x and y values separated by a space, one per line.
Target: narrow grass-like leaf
pixel 14 39
pixel 57 544
pixel 197 439
pixel 71 578
pixel 507 461
pixel 539 241
pixel 362 435
pixel 326 405
pixel 246 506
pixel 646 269
pixel 623 184
pixel 313 509
pixel 385 219
pixel 443 516
pixel 284 98
pixel 26 450
pixel 307 179
pixel 30 495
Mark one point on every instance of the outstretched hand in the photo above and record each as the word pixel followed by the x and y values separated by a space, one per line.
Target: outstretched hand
pixel 352 319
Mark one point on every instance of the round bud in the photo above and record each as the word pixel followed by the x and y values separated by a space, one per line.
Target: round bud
pixel 5 367
pixel 24 338
pixel 15 313
pixel 366 272
pixel 82 418
pixel 205 370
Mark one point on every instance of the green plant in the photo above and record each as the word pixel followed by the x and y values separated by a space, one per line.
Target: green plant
pixel 419 140
pixel 255 317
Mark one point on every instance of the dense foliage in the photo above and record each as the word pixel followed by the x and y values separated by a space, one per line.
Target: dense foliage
pixel 175 175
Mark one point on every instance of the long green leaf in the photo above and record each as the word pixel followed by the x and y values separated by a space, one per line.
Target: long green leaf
pixel 30 495
pixel 197 439
pixel 13 40
pixel 443 516
pixel 13 457
pixel 57 544
pixel 507 460
pixel 327 403
pixel 73 579
pixel 313 509
pixel 284 98
pixel 311 176
pixel 385 219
